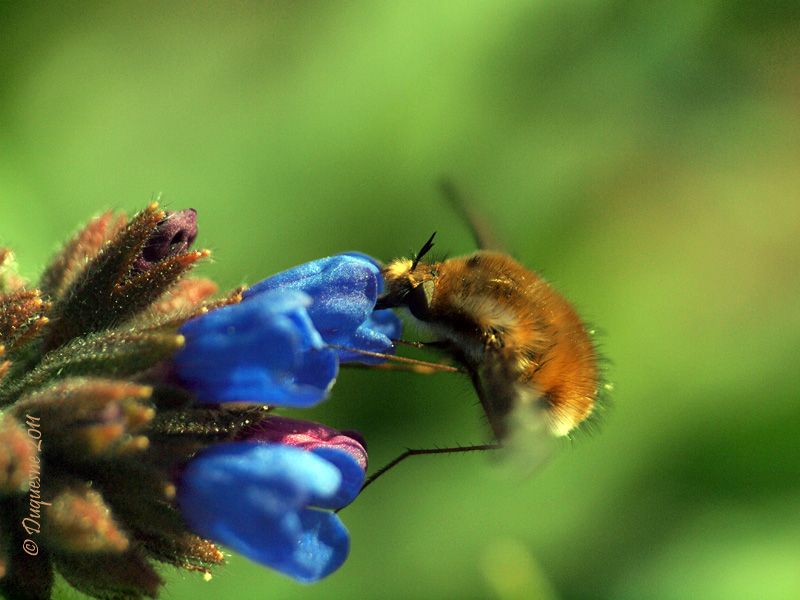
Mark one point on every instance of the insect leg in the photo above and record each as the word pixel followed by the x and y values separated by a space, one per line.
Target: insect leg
pixel 420 451
pixel 494 422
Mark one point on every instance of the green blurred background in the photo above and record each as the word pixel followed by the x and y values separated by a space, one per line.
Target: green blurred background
pixel 644 156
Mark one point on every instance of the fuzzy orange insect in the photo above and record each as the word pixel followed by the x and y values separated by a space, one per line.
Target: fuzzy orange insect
pixel 526 348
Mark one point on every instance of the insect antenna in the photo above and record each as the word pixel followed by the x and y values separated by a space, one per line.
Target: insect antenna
pixel 423 251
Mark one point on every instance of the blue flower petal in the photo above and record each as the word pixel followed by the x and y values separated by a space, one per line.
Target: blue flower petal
pixel 376 265
pixel 375 335
pixel 266 350
pixel 386 323
pixel 352 477
pixel 255 499
pixel 341 273
pixel 344 289
pixel 322 549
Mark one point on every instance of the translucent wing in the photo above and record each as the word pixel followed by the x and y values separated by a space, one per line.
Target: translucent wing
pixel 485 238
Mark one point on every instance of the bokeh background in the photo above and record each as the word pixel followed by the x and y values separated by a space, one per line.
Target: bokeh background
pixel 644 156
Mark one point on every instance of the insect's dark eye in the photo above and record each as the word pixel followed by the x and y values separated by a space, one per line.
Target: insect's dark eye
pixel 419 299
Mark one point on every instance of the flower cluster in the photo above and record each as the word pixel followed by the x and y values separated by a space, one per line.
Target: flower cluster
pixel 137 416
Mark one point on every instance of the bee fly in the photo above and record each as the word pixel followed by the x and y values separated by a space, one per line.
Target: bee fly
pixel 530 357
pixel 505 323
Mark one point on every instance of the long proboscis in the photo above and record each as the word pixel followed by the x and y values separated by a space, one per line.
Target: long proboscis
pixel 401 359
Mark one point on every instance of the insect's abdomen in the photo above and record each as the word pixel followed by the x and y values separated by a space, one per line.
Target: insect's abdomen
pixel 566 371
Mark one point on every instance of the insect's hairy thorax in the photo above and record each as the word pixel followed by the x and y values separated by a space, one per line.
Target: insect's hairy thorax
pixel 482 302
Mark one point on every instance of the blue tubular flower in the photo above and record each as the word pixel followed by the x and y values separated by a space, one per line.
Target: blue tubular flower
pixel 259 496
pixel 265 350
pixel 344 289
pixel 272 347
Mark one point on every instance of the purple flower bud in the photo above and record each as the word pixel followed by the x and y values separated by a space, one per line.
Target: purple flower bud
pixel 173 237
